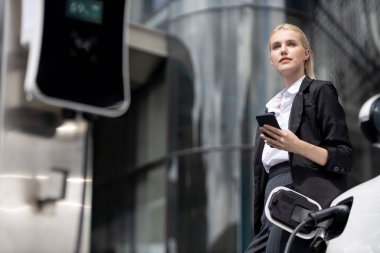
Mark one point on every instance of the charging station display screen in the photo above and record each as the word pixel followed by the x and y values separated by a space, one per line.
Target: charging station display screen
pixel 91 11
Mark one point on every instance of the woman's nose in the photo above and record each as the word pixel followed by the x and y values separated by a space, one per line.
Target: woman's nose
pixel 283 50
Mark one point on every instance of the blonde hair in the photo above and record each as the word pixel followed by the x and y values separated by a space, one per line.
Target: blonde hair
pixel 309 65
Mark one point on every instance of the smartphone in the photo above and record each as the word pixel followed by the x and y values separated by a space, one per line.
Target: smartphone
pixel 267 119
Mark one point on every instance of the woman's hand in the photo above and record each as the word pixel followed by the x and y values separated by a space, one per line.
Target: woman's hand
pixel 286 140
pixel 280 139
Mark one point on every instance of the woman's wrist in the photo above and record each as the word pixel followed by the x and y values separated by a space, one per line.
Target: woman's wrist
pixel 312 152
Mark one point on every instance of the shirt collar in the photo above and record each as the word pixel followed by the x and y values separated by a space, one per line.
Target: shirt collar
pixel 295 86
pixel 274 104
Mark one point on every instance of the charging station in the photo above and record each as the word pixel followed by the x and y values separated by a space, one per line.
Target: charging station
pixel 77 58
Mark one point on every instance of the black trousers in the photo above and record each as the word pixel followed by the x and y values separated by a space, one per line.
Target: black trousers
pixel 271 238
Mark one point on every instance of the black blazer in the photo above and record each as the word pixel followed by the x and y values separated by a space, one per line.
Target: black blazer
pixel 318 118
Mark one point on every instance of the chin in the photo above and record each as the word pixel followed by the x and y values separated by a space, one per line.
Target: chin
pixel 288 71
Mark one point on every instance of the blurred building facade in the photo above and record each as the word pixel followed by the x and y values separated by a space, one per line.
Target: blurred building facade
pixel 174 173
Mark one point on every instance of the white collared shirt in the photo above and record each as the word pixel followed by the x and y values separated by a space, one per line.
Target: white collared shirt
pixel 281 105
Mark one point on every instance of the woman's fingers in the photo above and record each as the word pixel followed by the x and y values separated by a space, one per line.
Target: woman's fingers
pixel 272 132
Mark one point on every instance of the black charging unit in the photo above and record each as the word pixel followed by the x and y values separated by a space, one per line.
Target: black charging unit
pixel 81 63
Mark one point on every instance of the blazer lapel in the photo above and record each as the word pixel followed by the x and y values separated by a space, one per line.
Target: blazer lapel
pixel 297 107
pixel 259 144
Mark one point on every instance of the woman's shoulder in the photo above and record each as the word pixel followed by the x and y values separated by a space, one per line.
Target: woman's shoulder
pixel 317 83
pixel 323 86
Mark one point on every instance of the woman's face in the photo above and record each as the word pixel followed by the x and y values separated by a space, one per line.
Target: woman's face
pixel 287 53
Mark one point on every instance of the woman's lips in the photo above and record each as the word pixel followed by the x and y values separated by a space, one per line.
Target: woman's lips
pixel 285 59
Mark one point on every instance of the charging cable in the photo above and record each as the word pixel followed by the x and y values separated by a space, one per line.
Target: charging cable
pixel 339 212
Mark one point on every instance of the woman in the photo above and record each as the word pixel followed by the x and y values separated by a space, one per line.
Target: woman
pixel 311 153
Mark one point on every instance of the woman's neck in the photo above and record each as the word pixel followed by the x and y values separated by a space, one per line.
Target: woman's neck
pixel 290 80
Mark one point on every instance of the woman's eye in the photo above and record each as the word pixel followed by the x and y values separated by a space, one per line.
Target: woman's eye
pixel 292 44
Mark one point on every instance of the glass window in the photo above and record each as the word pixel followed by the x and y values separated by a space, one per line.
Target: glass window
pixel 152 5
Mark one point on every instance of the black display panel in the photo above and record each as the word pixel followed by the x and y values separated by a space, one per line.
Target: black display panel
pixel 81 56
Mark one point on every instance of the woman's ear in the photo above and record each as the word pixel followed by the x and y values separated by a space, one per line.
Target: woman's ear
pixel 307 54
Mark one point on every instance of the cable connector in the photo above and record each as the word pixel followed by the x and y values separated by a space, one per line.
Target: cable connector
pixel 339 212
